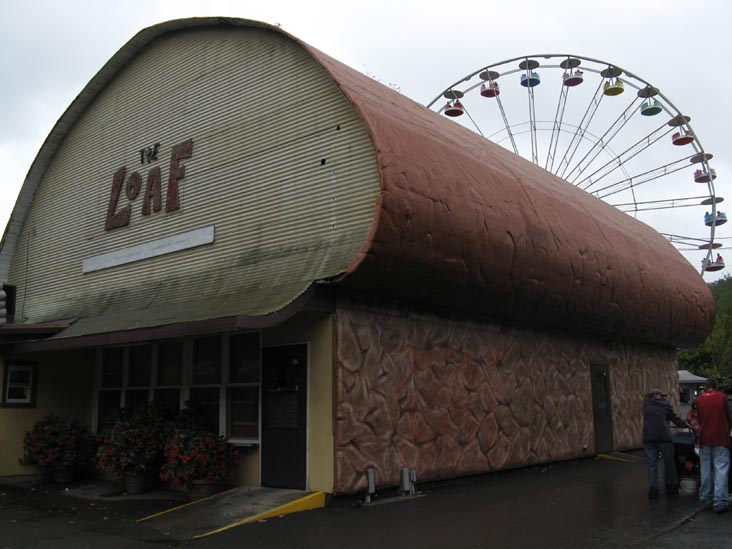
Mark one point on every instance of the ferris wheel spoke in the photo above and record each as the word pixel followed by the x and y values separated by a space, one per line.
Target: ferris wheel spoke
pixel 508 126
pixel 477 128
pixel 640 178
pixel 664 204
pixel 580 131
pixel 613 164
pixel 532 118
pixel 690 243
pixel 688 239
pixel 532 127
pixel 556 128
pixel 605 139
pixel 635 200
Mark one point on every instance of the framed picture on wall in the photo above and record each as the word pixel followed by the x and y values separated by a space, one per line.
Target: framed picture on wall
pixel 19 384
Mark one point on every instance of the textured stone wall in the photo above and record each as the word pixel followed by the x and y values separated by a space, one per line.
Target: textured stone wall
pixel 452 398
pixel 633 371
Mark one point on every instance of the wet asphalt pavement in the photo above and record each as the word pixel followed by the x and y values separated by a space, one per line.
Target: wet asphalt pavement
pixel 584 503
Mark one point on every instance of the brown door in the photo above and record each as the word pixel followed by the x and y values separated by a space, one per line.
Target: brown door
pixel 601 408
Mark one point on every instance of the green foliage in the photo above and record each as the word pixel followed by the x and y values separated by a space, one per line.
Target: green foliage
pixel 144 441
pixel 58 444
pixel 713 358
pixel 133 443
pixel 198 455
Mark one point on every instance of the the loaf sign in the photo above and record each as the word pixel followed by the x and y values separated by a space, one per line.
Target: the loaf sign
pixel 152 196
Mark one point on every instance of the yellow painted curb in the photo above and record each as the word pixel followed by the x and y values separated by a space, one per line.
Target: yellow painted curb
pixel 315 500
pixel 161 513
pixel 614 458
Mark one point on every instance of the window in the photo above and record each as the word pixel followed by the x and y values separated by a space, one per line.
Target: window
pixel 243 412
pixel 140 366
pixel 127 379
pixel 242 389
pixel 217 376
pixel 226 392
pixel 169 376
pixel 207 361
pixel 111 382
pixel 19 385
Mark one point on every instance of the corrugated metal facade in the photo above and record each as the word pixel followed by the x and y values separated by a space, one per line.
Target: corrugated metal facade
pixel 281 165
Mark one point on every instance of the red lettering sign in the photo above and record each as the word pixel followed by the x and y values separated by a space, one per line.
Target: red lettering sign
pixel 184 150
pixel 134 182
pixel 152 192
pixel 122 217
pixel 152 197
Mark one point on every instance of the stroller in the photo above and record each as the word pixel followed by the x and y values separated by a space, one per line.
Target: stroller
pixel 686 454
pixel 686 451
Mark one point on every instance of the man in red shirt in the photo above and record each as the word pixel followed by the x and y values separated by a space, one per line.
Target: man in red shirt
pixel 715 421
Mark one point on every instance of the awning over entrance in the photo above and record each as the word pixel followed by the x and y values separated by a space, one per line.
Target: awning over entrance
pixel 22 332
pixel 263 302
pixel 173 321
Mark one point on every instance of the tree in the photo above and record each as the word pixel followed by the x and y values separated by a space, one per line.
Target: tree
pixel 713 358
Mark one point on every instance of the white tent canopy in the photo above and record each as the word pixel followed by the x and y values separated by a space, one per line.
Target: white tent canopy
pixel 686 377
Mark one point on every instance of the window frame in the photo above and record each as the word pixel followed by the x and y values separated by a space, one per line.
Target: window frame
pixel 187 370
pixel 30 402
pixel 224 399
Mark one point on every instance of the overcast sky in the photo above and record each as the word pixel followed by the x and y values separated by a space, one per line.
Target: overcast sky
pixel 49 50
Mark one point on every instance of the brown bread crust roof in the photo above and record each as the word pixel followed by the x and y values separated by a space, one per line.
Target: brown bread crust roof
pixel 462 223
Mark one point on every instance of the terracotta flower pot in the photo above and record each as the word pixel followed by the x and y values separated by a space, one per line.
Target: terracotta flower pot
pixel 136 483
pixel 199 489
pixel 45 474
pixel 63 476
pixel 176 485
pixel 106 476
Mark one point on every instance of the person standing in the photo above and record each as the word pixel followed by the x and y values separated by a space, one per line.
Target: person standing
pixel 657 412
pixel 715 421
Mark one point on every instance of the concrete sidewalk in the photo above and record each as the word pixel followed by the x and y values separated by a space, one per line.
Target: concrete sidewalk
pixel 584 503
pixel 168 516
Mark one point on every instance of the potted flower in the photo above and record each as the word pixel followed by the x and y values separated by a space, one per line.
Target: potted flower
pixel 202 460
pixel 58 447
pixel 36 447
pixel 131 447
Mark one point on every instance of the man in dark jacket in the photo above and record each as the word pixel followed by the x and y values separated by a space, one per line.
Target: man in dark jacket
pixel 657 412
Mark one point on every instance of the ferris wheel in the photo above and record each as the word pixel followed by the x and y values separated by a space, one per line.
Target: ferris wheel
pixel 603 129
